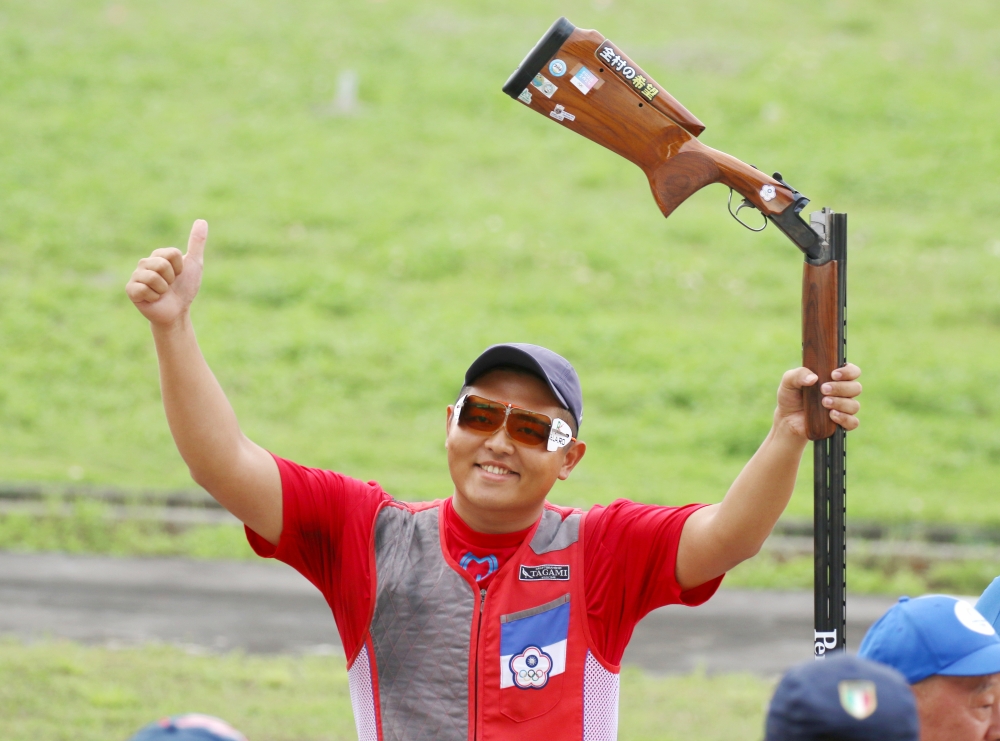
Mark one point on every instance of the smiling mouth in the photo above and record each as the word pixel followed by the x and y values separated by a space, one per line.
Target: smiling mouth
pixel 497 470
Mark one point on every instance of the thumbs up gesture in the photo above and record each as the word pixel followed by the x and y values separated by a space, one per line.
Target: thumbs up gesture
pixel 164 284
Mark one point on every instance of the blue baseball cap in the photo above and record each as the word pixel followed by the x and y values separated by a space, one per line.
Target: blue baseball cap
pixel 189 727
pixel 551 367
pixel 931 635
pixel 842 698
pixel 989 603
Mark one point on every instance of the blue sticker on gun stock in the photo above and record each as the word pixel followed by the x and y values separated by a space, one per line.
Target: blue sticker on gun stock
pixel 557 67
pixel 626 69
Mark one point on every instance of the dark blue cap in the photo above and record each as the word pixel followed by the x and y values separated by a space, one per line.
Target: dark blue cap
pixel 842 698
pixel 189 727
pixel 554 369
pixel 989 603
pixel 934 634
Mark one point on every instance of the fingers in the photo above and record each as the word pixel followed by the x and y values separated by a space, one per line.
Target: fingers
pixel 846 389
pixel 847 421
pixel 196 242
pixel 151 279
pixel 797 378
pixel 847 373
pixel 839 396
pixel 848 406
pixel 171 255
pixel 161 266
pixel 140 293
pixel 844 383
pixel 154 274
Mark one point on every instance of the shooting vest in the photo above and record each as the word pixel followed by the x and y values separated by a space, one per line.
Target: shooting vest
pixel 445 660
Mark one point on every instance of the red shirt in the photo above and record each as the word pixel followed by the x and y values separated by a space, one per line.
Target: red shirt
pixel 630 553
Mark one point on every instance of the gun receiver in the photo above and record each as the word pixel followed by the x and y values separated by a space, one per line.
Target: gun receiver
pixel 587 84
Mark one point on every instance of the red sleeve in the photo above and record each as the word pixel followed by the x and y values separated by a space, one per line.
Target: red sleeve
pixel 327 521
pixel 629 562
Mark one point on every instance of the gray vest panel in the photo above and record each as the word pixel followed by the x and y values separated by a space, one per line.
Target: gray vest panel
pixel 420 630
pixel 554 533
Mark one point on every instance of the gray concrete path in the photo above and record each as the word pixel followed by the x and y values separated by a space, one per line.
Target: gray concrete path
pixel 265 607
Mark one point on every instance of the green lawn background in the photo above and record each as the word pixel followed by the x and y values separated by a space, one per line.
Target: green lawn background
pixel 356 264
pixel 67 692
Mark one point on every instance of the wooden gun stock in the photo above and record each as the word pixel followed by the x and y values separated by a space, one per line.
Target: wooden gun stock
pixel 577 77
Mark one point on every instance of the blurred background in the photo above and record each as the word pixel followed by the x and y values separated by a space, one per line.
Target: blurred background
pixel 380 212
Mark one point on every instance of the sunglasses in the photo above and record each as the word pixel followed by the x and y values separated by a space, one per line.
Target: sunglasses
pixel 522 426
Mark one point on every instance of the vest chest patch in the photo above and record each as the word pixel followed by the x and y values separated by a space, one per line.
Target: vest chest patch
pixel 544 572
pixel 479 568
pixel 533 645
pixel 531 668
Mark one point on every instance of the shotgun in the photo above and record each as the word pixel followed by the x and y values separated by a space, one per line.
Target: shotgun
pixel 584 82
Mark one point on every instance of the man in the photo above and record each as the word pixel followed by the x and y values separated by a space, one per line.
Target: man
pixel 950 655
pixel 842 698
pixel 489 614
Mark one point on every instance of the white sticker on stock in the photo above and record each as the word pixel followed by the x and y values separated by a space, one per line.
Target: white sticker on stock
pixel 561 114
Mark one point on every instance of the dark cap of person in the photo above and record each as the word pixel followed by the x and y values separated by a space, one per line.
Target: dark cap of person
pixel 842 698
pixel 189 727
pixel 551 367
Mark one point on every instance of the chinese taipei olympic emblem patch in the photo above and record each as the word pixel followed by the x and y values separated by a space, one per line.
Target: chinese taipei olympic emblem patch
pixel 531 668
pixel 533 645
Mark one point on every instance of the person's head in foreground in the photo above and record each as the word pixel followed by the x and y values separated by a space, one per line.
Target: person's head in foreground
pixel 512 434
pixel 950 655
pixel 189 727
pixel 842 698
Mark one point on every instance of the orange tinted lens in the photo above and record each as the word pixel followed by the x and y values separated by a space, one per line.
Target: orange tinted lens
pixel 528 427
pixel 481 414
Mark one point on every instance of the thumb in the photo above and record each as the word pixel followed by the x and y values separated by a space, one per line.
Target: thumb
pixel 196 242
pixel 798 378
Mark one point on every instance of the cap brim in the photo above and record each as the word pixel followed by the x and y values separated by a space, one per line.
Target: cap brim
pixel 507 355
pixel 984 661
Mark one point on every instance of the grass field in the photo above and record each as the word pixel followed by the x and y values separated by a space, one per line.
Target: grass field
pixel 65 692
pixel 357 263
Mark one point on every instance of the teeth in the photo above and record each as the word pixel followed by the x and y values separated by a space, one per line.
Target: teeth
pixel 495 469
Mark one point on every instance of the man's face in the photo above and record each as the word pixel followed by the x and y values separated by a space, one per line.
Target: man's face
pixel 959 708
pixel 500 485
